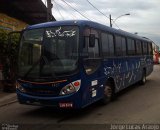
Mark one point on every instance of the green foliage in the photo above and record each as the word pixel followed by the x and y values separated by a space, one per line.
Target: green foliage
pixel 8 53
pixel 13 43
pixel 3 43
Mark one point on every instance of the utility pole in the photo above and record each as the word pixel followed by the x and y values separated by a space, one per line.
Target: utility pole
pixel 110 18
pixel 49 10
pixel 113 20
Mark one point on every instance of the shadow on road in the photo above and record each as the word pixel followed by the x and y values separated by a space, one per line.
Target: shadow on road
pixel 62 115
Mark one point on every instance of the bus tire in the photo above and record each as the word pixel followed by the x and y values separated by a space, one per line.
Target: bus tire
pixel 108 93
pixel 143 79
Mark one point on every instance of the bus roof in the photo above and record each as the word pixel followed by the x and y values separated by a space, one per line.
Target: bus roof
pixel 88 24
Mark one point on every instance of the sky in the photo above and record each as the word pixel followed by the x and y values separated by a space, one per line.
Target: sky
pixel 144 17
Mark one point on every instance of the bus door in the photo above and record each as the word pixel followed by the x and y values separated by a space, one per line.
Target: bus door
pixel 92 64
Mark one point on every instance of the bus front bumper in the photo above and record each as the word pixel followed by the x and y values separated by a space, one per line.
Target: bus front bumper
pixel 68 101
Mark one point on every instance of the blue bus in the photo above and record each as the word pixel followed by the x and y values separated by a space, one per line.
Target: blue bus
pixel 71 64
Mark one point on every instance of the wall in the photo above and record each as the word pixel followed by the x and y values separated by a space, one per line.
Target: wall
pixel 11 24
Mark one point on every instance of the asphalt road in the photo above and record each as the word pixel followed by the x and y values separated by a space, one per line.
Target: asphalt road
pixel 137 104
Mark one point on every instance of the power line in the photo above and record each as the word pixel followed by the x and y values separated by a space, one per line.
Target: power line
pixel 65 9
pixel 80 12
pixel 116 24
pixel 102 13
pixel 95 19
pixel 75 9
pixel 97 9
pixel 58 9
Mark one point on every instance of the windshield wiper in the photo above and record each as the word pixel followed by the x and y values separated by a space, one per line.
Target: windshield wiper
pixel 43 61
pixel 32 67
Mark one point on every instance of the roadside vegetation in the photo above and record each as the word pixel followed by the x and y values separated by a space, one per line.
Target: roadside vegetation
pixel 8 57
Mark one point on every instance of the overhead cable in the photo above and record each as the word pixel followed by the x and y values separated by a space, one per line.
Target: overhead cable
pixel 75 10
pixel 74 17
pixel 58 10
pixel 97 9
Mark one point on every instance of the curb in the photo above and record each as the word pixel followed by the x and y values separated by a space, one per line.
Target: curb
pixel 8 99
pixel 9 103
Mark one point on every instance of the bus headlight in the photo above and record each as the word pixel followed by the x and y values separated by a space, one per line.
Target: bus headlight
pixel 19 87
pixel 71 88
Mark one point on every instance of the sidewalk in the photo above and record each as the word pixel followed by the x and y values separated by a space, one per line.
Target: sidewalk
pixel 1 86
pixel 6 97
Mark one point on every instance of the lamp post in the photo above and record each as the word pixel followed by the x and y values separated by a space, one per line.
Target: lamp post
pixel 110 18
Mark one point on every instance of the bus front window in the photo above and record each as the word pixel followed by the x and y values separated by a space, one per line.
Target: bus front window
pixel 48 52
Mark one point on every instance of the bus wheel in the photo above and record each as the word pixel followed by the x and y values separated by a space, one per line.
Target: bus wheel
pixel 108 94
pixel 143 80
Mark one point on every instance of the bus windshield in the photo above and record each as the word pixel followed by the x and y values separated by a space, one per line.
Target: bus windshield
pixel 48 52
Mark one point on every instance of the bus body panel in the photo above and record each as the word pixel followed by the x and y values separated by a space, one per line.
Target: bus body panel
pixel 74 101
pixel 124 70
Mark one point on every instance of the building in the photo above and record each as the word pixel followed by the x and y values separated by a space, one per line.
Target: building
pixel 17 14
pixel 10 23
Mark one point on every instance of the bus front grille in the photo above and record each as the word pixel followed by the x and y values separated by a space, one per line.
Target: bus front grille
pixel 42 92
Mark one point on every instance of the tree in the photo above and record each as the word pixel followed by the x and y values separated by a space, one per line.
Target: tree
pixel 9 42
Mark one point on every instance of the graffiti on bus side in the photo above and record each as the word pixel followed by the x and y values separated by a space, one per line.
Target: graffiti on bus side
pixel 132 69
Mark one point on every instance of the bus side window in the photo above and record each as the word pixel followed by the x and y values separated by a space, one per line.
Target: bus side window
pixel 131 46
pixel 144 48
pixel 107 45
pixel 123 46
pixel 150 51
pixel 111 44
pixel 92 60
pixel 118 45
pixel 93 52
pixel 138 47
